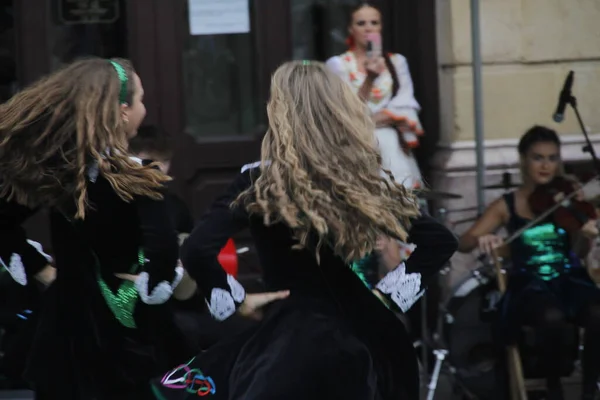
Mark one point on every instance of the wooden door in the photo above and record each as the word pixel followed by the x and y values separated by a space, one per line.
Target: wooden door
pixel 211 98
pixel 212 94
pixel 411 26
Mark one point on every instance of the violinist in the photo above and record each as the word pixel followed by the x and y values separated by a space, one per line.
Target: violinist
pixel 547 287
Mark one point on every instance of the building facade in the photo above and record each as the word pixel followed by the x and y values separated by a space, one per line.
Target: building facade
pixel 207 91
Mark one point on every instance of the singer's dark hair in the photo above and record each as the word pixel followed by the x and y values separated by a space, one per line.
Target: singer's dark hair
pixel 386 57
pixel 537 134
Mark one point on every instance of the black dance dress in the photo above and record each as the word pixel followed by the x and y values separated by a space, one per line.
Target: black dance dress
pixel 19 306
pixel 98 337
pixel 191 316
pixel 332 338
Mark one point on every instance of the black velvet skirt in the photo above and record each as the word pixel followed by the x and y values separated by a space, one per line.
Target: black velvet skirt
pixel 79 351
pixel 306 347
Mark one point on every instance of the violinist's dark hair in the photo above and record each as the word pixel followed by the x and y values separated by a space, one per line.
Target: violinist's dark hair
pixel 386 57
pixel 537 134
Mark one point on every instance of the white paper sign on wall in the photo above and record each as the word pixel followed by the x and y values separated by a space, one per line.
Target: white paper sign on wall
pixel 219 17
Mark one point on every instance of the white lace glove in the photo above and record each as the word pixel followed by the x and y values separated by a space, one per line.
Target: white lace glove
pixel 161 292
pixel 402 288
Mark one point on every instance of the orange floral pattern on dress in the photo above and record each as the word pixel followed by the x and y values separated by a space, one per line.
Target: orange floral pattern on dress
pixel 382 86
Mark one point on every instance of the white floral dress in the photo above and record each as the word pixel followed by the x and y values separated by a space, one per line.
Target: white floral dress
pixel 401 107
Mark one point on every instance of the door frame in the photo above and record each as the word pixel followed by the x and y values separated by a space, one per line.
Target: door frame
pixel 412 28
pixel 213 155
pixel 32 22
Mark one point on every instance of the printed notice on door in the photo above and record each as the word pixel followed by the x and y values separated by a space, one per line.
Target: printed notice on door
pixel 219 17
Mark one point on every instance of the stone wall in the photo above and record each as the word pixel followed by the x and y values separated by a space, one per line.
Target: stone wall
pixel 528 47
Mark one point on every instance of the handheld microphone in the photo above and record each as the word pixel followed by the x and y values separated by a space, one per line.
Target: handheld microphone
pixel 564 98
pixel 369 49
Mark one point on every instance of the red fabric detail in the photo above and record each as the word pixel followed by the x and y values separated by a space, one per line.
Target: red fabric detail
pixel 228 258
pixel 350 42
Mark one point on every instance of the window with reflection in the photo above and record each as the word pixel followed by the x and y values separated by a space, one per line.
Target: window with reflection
pixel 220 85
pixel 8 65
pixel 87 28
pixel 319 28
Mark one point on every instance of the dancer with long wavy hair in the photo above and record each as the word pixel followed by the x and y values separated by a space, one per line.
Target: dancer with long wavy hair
pixel 314 203
pixel 63 145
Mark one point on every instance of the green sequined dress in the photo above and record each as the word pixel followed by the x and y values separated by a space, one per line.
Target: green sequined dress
pixel 542 265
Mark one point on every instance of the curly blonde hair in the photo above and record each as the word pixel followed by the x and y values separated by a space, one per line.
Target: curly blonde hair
pixel 54 130
pixel 321 169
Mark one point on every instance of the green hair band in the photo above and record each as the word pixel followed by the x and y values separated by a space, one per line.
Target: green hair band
pixel 305 62
pixel 123 79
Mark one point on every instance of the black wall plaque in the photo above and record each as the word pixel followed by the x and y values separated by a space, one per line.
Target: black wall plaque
pixel 88 11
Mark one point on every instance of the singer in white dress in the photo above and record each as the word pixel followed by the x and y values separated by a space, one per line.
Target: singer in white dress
pixel 387 88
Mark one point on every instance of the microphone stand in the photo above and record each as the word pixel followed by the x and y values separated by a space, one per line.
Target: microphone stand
pixel 587 148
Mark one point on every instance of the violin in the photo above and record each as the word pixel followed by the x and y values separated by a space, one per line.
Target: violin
pixel 558 199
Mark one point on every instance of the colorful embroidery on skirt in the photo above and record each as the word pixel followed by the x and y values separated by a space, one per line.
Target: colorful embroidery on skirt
pixel 192 380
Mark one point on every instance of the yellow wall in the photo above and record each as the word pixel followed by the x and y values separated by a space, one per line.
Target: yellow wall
pixel 528 47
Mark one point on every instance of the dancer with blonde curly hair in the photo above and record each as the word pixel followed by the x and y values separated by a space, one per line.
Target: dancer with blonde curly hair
pixel 63 145
pixel 314 203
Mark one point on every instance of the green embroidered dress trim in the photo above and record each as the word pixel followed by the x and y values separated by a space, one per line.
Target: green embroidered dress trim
pixel 360 268
pixel 122 303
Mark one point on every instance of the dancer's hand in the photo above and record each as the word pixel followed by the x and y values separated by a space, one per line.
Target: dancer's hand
pixel 183 291
pixel 253 303
pixel 389 252
pixel 134 277
pixel 47 275
pixel 127 277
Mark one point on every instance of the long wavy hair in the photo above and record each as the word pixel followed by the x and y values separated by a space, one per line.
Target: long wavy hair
pixel 321 169
pixel 54 130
